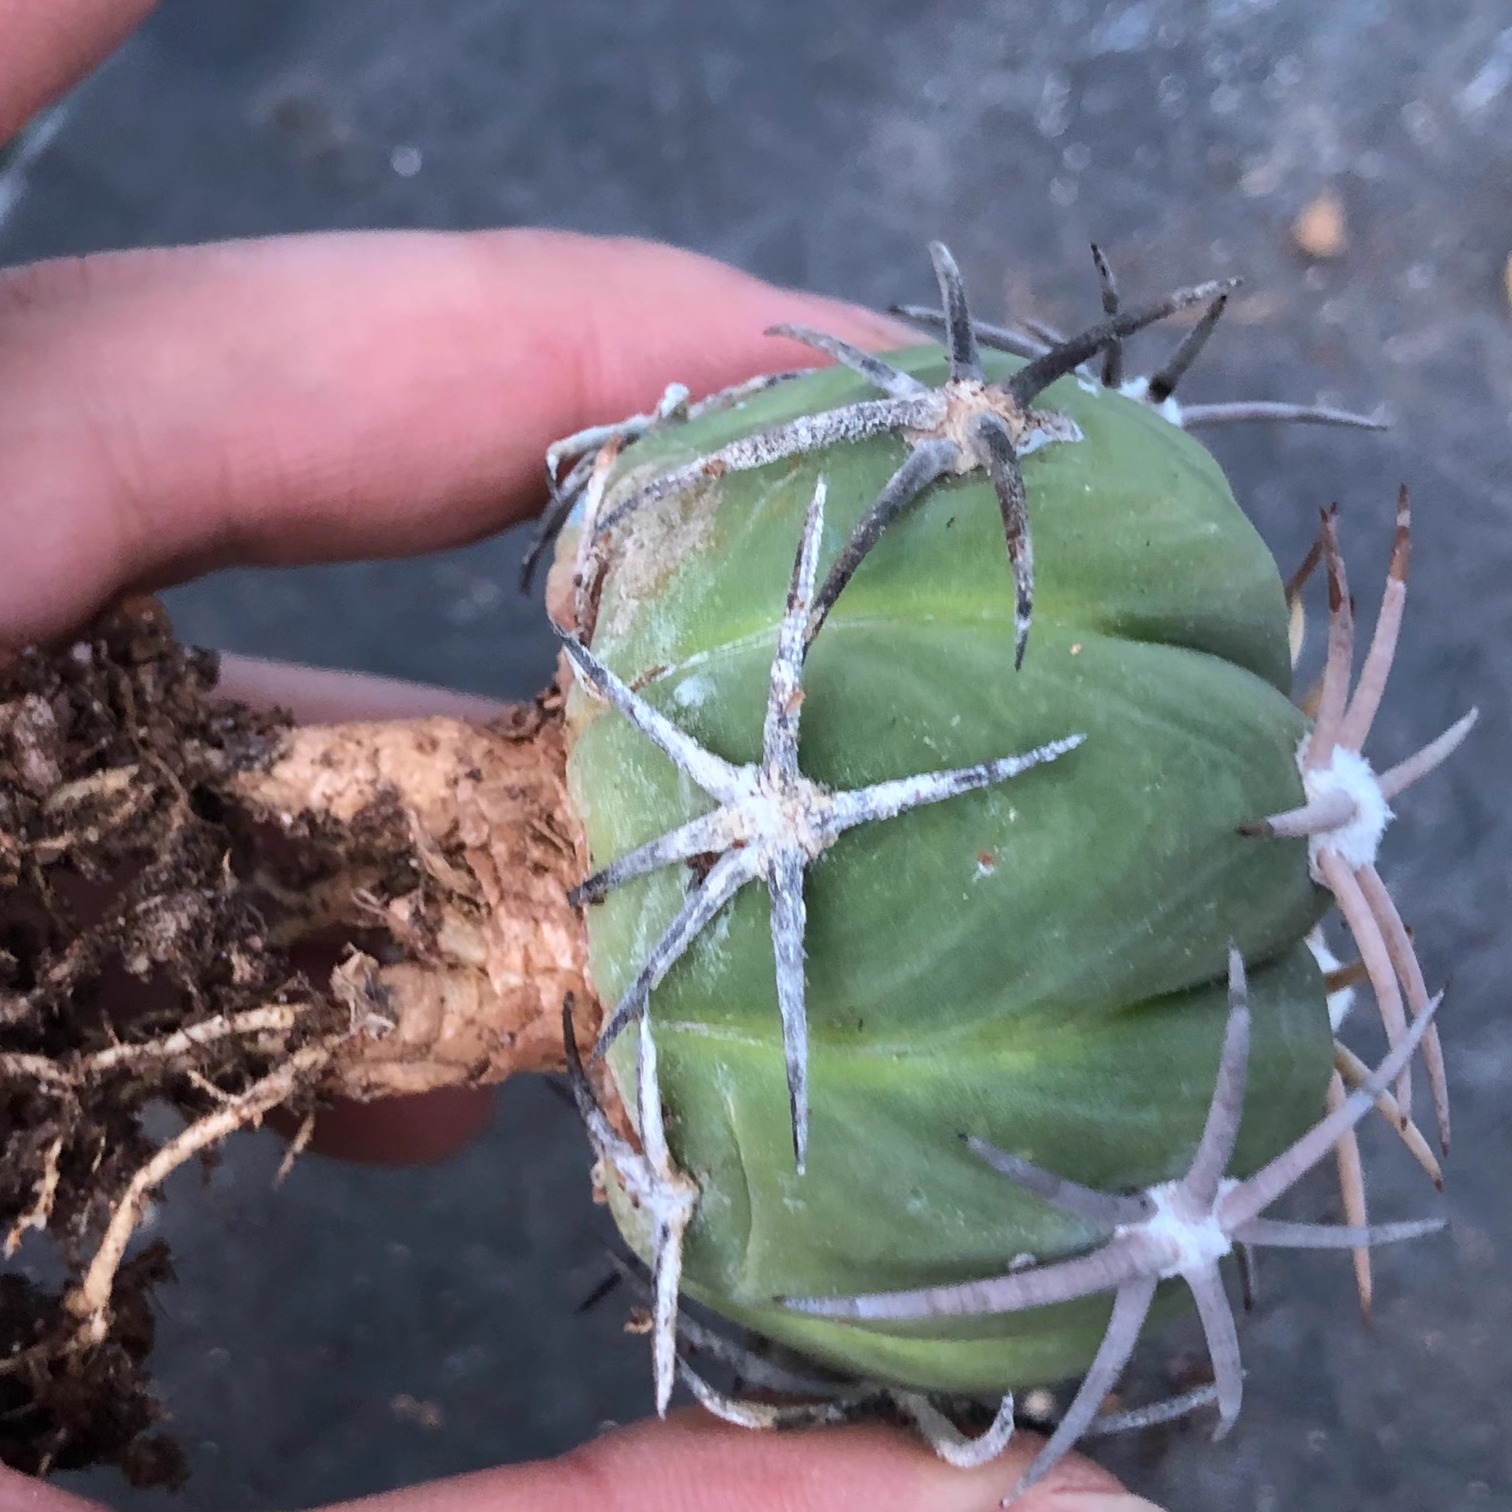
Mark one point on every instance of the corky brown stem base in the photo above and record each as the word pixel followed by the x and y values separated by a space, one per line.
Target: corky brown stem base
pixel 452 839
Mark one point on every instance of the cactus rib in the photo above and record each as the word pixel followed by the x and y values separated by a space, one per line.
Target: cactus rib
pixel 1187 1227
pixel 772 822
pixel 964 426
pixel 1159 389
pixel 1347 808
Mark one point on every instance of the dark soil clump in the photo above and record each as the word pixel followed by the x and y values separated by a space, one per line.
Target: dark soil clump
pixel 136 968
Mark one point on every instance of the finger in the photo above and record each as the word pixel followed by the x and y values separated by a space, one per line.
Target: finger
pixel 320 695
pixel 20 1493
pixel 398 1131
pixel 693 1463
pixel 334 396
pixel 49 46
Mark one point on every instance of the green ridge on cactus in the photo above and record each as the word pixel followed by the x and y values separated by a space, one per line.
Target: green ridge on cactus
pixel 892 1198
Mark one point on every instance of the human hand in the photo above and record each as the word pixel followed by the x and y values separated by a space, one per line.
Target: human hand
pixel 166 412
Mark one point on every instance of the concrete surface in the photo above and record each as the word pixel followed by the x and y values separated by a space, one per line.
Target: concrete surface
pixel 363 1329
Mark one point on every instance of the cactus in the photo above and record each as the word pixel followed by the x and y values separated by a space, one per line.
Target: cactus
pixel 1020 914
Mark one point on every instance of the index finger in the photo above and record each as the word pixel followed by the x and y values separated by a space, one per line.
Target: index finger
pixel 334 396
pixel 48 46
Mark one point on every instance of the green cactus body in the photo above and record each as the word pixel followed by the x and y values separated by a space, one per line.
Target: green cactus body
pixel 1040 963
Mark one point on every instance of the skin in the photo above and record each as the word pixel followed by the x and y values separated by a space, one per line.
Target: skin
pixel 167 412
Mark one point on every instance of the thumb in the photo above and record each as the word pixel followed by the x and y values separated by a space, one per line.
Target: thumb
pixel 20 1493
pixel 694 1463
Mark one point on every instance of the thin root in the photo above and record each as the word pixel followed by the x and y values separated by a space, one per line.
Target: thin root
pixel 89 1302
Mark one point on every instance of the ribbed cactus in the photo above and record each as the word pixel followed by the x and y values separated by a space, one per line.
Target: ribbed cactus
pixel 956 897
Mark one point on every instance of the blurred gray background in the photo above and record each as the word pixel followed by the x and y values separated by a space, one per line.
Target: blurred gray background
pixel 361 1329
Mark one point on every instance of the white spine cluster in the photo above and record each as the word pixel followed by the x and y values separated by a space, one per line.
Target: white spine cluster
pixel 1350 775
pixel 1190 1243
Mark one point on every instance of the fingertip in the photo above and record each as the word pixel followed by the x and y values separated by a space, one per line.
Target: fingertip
pixel 20 1493
pixel 322 695
pixel 855 1468
pixel 693 1461
pixel 400 1131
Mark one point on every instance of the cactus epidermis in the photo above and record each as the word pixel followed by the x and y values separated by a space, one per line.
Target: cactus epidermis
pixel 1038 964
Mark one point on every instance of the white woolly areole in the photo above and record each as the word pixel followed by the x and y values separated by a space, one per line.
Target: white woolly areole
pixel 1169 408
pixel 1340 1002
pixel 674 398
pixel 1183 1245
pixel 1356 841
